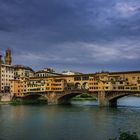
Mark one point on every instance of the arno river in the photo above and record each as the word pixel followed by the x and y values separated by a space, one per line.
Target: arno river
pixel 79 121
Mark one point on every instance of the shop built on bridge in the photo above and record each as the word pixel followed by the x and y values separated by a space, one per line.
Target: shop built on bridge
pixel 108 87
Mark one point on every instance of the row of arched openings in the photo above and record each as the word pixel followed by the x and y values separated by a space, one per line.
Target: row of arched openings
pixel 83 86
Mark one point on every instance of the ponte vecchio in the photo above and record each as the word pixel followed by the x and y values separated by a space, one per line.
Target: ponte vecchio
pixel 107 87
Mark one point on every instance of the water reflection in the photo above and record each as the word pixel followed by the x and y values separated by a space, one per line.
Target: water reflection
pixel 129 102
pixel 85 103
pixel 81 120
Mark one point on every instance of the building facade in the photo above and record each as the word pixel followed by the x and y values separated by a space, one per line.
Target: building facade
pixel 119 81
pixel 25 86
pixel 23 71
pixel 113 81
pixel 69 72
pixel 6 72
pixel 9 72
pixel 46 72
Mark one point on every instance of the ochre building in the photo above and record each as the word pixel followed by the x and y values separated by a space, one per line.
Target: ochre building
pixel 113 81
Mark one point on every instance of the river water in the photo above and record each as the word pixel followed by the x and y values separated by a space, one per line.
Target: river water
pixel 79 121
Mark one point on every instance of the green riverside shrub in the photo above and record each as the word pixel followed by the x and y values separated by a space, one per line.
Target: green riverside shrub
pixel 126 136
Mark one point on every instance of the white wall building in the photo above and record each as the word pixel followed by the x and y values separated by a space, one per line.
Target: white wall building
pixel 6 72
pixel 71 73
pixel 46 72
pixel 22 71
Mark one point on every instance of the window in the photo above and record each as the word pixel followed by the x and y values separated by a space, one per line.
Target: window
pixel 85 78
pixel 133 78
pixel 120 87
pixel 127 88
pixel 78 78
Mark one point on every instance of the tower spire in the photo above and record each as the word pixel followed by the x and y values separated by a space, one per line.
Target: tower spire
pixel 8 58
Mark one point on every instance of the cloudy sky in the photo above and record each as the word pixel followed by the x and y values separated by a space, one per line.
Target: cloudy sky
pixel 80 35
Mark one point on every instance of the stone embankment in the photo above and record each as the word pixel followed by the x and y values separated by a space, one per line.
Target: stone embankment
pixel 5 98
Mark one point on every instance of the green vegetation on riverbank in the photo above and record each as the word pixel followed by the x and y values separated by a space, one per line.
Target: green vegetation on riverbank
pixel 20 101
pixel 84 97
pixel 27 102
pixel 4 103
pixel 126 136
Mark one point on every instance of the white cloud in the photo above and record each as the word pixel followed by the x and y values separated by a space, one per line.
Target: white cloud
pixel 127 9
pixel 86 53
pixel 113 51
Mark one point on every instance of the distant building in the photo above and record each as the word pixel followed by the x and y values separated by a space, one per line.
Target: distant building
pixel 71 73
pixel 8 58
pixel 23 71
pixel 46 72
pixel 6 72
pixel 49 70
pixel 9 72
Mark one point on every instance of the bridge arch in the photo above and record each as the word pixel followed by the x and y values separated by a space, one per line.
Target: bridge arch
pixel 78 86
pixel 85 85
pixel 31 98
pixel 65 99
pixel 113 100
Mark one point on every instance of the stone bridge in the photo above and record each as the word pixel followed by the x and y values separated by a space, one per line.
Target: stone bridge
pixel 109 98
pixel 55 98
pixel 105 98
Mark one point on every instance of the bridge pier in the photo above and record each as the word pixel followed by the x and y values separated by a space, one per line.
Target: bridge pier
pixel 51 98
pixel 52 102
pixel 104 101
pixel 56 98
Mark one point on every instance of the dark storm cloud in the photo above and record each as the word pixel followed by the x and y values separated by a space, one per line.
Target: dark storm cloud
pixel 84 35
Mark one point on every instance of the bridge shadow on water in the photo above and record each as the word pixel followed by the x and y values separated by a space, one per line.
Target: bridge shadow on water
pixel 124 102
pixel 85 103
pixel 30 100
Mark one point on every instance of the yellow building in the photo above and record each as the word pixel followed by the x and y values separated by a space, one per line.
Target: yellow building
pixel 113 81
pixel 19 87
pixel 76 81
pixel 25 86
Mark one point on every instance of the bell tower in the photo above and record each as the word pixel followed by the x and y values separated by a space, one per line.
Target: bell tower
pixel 8 58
